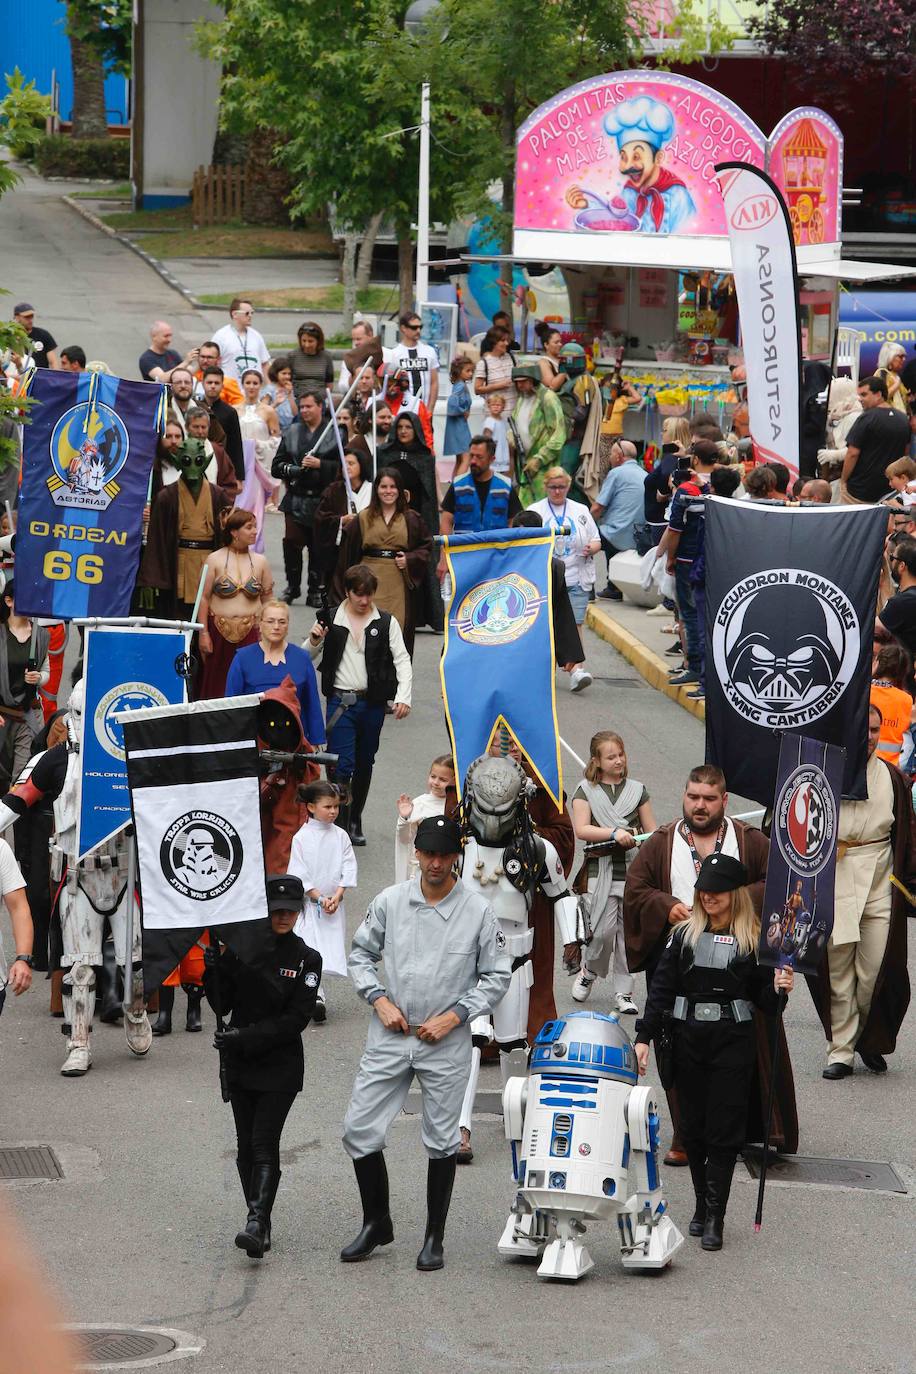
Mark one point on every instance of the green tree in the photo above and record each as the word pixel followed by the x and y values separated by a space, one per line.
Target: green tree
pixel 100 37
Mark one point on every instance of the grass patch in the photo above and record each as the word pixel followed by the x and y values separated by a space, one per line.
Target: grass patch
pixel 319 298
pixel 172 235
pixel 121 191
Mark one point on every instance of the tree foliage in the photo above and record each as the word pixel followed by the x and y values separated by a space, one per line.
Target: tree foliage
pixel 832 46
pixel 107 26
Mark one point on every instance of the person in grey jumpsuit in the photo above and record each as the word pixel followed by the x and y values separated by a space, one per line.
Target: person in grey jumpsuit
pixel 445 962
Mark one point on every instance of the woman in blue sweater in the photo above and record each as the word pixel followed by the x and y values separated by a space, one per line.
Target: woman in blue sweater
pixel 261 666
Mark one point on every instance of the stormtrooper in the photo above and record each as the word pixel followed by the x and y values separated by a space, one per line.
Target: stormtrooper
pixel 87 893
pixel 507 863
pixel 584 1144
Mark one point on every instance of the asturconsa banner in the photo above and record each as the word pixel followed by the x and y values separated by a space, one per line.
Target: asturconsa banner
pixel 635 153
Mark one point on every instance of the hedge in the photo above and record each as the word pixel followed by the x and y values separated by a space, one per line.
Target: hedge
pixel 58 155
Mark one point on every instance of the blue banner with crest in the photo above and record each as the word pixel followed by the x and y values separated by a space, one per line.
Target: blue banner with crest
pixel 498 661
pixel 87 455
pixel 126 669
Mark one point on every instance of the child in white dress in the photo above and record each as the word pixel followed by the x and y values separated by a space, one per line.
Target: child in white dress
pixel 322 857
pixel 411 813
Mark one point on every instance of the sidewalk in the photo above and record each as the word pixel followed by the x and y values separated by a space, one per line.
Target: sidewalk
pixel 639 639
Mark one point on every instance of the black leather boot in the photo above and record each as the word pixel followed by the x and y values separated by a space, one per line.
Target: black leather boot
pixel 359 790
pixel 439 1179
pixel 718 1186
pixel 292 566
pixel 372 1177
pixel 255 1239
pixel 697 1161
pixel 163 1023
pixel 111 987
pixel 195 996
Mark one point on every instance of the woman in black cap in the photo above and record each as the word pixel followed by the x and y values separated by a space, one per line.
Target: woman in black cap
pixel 262 1047
pixel 708 981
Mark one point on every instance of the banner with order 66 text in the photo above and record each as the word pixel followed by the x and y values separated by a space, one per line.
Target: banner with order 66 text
pixel 87 455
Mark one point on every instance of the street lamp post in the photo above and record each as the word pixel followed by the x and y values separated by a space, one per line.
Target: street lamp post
pixel 414 20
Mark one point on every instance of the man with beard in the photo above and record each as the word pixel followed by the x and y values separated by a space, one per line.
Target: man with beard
pixel 863 993
pixel 659 894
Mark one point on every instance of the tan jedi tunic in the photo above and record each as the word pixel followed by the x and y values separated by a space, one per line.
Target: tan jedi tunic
pixel 863 869
pixel 195 521
pixel 392 587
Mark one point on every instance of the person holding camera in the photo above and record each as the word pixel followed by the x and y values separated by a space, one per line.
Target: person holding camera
pixel 261 1048
pixel 708 982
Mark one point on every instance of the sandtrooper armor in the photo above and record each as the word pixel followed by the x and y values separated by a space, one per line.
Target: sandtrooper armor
pixel 507 863
pixel 95 889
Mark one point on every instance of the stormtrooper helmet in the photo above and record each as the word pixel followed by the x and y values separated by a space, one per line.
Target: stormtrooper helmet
pixel 75 703
pixel 495 788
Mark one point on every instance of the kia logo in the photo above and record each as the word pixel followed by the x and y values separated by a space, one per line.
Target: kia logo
pixel 754 212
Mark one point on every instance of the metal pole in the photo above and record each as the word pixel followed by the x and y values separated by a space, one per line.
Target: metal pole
pixel 423 201
pixel 130 922
pixel 774 1069
pixel 572 753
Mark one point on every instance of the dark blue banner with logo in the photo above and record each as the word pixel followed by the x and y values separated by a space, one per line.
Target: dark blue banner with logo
pixel 125 670
pixel 498 662
pixel 790 613
pixel 798 895
pixel 87 455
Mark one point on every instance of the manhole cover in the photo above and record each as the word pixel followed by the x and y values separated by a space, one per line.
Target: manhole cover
pixel 28 1161
pixel 838 1173
pixel 103 1346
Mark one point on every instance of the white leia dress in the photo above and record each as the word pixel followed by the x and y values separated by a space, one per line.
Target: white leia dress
pixel 322 856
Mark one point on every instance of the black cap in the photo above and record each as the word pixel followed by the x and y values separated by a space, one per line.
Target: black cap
pixel 438 835
pixel 285 892
pixel 721 873
pixel 23 308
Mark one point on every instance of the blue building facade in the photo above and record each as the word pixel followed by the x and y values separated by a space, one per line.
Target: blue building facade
pixel 33 37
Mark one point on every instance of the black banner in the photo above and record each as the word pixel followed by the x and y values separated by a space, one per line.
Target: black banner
pixel 790 609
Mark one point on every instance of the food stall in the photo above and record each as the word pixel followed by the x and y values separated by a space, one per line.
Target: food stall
pixel 616 187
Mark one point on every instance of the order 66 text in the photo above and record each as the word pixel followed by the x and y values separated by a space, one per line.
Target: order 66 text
pixel 60 566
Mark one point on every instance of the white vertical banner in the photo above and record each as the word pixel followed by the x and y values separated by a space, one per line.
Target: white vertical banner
pixel 766 282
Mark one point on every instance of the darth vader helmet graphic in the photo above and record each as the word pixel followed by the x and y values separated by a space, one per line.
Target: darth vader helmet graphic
pixel 786 649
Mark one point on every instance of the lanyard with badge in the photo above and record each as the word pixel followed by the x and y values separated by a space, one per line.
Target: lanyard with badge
pixel 561 543
pixel 244 359
pixel 687 837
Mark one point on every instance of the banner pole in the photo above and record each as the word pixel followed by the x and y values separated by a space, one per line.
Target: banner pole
pixel 774 1070
pixel 130 924
pixel 200 592
pixel 572 753
pixel 217 1004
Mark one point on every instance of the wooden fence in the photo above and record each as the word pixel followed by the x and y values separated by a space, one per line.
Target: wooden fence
pixel 218 194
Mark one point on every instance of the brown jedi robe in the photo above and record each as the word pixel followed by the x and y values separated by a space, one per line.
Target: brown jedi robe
pixel 892 986
pixel 417 551
pixel 160 557
pixel 646 902
pixel 555 826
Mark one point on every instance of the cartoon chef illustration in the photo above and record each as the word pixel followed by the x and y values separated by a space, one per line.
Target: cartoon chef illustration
pixel 652 199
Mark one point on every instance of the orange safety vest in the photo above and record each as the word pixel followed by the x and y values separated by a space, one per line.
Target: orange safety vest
pixel 896 707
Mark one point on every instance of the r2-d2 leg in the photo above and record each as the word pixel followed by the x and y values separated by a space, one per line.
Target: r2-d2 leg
pixel 526 1232
pixel 648 1236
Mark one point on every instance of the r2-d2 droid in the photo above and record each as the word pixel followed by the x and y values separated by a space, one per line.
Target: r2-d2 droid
pixel 584 1147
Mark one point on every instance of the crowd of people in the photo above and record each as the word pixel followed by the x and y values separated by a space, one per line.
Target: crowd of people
pixel 363 492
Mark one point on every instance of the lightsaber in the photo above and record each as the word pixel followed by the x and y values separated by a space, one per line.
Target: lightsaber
pixel 351 499
pixel 641 839
pixel 346 396
pixel 200 592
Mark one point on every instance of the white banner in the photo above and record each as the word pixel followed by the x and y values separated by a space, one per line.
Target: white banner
pixel 766 282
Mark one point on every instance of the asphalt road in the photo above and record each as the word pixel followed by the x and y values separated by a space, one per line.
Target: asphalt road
pixel 140 1228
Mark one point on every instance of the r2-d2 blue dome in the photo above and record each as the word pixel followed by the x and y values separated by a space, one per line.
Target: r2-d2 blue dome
pixel 584 1044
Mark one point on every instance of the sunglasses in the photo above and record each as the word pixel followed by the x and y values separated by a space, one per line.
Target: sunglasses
pixel 415 325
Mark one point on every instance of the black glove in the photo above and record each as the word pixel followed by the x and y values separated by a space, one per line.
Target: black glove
pixel 211 957
pixel 228 1039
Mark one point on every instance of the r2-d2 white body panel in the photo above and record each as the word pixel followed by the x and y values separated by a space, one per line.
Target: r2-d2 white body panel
pixel 585 1148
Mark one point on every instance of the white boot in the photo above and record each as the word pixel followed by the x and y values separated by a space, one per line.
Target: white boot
pixel 81 1006
pixel 138 1031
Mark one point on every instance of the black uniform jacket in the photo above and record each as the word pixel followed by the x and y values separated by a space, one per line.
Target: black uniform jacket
pixel 270 1013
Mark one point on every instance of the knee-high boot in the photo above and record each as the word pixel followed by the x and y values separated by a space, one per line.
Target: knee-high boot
pixel 264 1182
pixel 195 995
pixel 372 1177
pixel 439 1180
pixel 292 566
pixel 719 1171
pixel 163 1023
pixel 696 1158
pixel 359 791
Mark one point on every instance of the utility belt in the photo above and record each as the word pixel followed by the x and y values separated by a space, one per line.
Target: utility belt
pixel 16 712
pixel 737 1010
pixel 350 698
pixel 844 845
pixel 196 544
pixel 381 553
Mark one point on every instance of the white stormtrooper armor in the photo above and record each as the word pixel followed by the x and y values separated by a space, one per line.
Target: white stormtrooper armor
pixel 507 863
pixel 93 890
pixel 584 1143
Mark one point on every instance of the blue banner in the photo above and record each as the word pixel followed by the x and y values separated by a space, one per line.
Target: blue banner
pixel 125 670
pixel 86 460
pixel 798 895
pixel 498 662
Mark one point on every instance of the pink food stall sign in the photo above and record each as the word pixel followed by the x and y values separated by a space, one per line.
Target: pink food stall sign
pixel 805 159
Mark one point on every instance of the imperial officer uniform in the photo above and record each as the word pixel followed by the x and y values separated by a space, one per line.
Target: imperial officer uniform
pixel 271 1007
pixel 447 956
